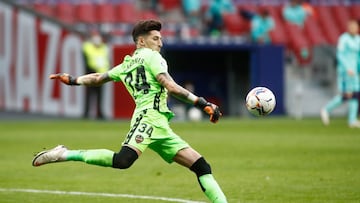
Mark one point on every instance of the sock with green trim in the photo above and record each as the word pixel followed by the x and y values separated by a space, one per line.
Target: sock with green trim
pixel 100 157
pixel 207 182
pixel 212 189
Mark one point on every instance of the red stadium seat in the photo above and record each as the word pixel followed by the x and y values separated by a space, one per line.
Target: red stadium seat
pixel 170 4
pixel 65 12
pixel 148 14
pixel 326 21
pixel 106 13
pixel 296 35
pixel 234 24
pixel 85 13
pixel 126 13
pixel 278 34
pixel 341 15
pixel 313 32
pixel 275 11
pixel 298 42
pixel 355 11
pixel 44 8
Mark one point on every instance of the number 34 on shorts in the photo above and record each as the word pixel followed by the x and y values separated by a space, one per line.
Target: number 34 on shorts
pixel 139 132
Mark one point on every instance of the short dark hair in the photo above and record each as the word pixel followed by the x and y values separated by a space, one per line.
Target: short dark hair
pixel 144 27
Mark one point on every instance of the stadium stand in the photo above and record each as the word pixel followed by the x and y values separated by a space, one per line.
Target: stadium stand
pixel 326 21
pixel 313 32
pixel 65 12
pixel 355 11
pixel 106 13
pixel 234 24
pixel 278 34
pixel 126 13
pixel 320 29
pixel 170 4
pixel 148 14
pixel 298 43
pixel 45 9
pixel 85 13
pixel 341 15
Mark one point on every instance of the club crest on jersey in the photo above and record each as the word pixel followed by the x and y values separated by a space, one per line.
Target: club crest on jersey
pixel 139 138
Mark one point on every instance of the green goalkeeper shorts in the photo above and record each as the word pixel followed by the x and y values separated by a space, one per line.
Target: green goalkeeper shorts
pixel 150 128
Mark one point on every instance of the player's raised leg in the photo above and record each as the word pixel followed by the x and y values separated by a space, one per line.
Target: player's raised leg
pixel 100 157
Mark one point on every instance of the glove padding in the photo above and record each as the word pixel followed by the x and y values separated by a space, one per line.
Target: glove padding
pixel 64 78
pixel 209 108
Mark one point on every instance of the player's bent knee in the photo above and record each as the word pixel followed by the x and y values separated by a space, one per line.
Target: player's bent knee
pixel 201 167
pixel 125 158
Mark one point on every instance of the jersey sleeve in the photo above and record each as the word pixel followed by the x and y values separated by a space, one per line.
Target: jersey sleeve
pixel 114 73
pixel 117 71
pixel 158 64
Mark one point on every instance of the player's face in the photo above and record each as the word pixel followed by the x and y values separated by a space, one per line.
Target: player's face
pixel 153 40
pixel 353 27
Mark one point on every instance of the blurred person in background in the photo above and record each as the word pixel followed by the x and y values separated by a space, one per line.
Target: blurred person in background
pixel 213 15
pixel 192 11
pixel 348 51
pixel 96 60
pixel 261 25
pixel 294 12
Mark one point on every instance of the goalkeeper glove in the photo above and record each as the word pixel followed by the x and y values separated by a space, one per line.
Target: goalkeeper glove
pixel 64 78
pixel 209 108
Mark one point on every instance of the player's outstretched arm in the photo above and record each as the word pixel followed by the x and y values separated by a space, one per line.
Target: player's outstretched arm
pixel 92 79
pixel 184 95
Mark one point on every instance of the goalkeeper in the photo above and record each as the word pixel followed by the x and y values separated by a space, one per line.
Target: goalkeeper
pixel 145 76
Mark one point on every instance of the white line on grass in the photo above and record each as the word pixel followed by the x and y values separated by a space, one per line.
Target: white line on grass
pixel 58 192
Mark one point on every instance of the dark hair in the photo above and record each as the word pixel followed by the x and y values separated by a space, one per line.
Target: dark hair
pixel 144 27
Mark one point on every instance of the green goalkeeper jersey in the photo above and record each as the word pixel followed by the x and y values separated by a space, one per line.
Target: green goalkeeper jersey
pixel 138 73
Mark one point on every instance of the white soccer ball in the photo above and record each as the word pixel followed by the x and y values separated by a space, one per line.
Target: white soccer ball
pixel 260 101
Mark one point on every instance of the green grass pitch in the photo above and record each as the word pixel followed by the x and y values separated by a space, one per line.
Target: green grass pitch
pixel 273 159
